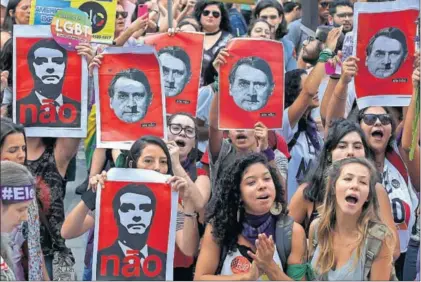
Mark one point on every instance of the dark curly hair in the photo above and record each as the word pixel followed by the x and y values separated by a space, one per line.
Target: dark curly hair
pixel 226 203
pixel 292 85
pixel 225 20
pixel 315 190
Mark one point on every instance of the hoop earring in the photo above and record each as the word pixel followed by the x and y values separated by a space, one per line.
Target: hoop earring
pixel 329 158
pixel 276 209
pixel 131 164
pixel 239 212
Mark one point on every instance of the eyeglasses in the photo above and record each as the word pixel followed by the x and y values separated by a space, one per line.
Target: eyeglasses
pixel 176 129
pixel 325 4
pixel 344 15
pixel 215 14
pixel 123 14
pixel 370 119
pixel 272 17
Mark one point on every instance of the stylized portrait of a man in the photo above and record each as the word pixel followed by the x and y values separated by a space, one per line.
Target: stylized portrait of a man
pixel 386 52
pixel 134 208
pixel 176 69
pixel 251 83
pixel 47 63
pixel 130 95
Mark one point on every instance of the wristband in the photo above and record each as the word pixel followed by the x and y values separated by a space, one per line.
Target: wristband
pixel 269 153
pixel 325 55
pixel 192 215
pixel 89 198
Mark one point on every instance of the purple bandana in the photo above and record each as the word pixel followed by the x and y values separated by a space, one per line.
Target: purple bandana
pixel 254 225
pixel 21 193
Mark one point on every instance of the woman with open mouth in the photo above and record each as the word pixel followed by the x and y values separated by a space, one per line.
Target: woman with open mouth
pixel 249 229
pixel 349 241
pixel 379 128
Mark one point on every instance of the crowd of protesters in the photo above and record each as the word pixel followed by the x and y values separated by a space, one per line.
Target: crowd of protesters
pixel 323 184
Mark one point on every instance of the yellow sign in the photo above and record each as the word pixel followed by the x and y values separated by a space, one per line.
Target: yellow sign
pixel 102 15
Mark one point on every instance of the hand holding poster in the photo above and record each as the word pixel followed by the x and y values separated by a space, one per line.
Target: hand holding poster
pixel 130 101
pixel 386 52
pixel 134 227
pixel 48 90
pixel 251 84
pixel 181 60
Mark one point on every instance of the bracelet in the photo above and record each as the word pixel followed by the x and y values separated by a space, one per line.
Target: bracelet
pixel 191 215
pixel 335 77
pixel 325 55
pixel 269 153
pixel 340 98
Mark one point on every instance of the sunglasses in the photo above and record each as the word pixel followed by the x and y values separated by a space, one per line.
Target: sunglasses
pixel 272 17
pixel 123 14
pixel 370 119
pixel 325 4
pixel 177 128
pixel 215 14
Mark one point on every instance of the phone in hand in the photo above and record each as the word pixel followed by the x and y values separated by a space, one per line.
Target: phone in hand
pixel 142 9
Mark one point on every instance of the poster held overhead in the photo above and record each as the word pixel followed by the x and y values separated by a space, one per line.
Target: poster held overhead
pixel 386 52
pixel 251 84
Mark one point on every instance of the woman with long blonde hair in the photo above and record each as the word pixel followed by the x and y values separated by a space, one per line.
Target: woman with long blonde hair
pixel 349 241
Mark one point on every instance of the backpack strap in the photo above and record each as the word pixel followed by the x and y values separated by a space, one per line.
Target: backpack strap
pixel 293 140
pixel 283 238
pixel 397 162
pixel 315 240
pixel 373 244
pixel 222 256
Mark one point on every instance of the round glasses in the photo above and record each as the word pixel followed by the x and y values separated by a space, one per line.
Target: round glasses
pixel 177 128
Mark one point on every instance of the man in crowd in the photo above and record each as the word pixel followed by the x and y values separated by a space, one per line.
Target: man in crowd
pixel 47 63
pixel 292 11
pixel 251 83
pixel 134 209
pixel 130 95
pixel 176 69
pixel 386 52
pixel 342 13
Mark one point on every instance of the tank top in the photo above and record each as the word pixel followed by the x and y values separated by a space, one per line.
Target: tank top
pixel 51 190
pixel 238 262
pixel 402 198
pixel 350 271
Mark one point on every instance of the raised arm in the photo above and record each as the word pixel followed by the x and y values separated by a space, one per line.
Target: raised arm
pixel 326 98
pixel 77 222
pixel 140 23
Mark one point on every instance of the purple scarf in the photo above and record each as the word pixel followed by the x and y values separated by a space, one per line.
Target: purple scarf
pixel 254 225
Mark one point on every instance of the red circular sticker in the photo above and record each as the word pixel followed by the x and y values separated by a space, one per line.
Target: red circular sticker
pixel 240 265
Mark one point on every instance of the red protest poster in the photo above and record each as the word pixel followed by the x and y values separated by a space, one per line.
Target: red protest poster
pixel 251 84
pixel 134 236
pixel 48 85
pixel 130 98
pixel 181 61
pixel 386 53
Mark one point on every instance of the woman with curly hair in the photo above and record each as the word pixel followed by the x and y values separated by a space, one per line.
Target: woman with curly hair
pixel 349 241
pixel 241 239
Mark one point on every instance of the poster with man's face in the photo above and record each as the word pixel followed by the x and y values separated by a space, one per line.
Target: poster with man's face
pixel 49 90
pixel 251 84
pixel 181 61
pixel 135 227
pixel 129 96
pixel 386 52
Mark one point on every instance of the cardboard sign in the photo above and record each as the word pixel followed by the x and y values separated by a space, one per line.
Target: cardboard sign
pixel 181 60
pixel 43 11
pixel 70 27
pixel 135 224
pixel 49 93
pixel 251 84
pixel 386 52
pixel 130 100
pixel 102 15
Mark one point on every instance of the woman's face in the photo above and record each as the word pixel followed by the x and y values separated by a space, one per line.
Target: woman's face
pixel 182 131
pixel 315 101
pixel 120 19
pixel 14 148
pixel 260 30
pixel 350 145
pixel 153 158
pixel 211 18
pixel 257 189
pixel 376 124
pixel 13 215
pixel 272 16
pixel 22 12
pixel 352 188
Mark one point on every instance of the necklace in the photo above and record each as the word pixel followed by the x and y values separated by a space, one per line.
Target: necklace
pixel 212 33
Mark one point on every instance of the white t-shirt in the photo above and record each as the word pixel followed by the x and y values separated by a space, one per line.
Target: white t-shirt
pixel 403 201
pixel 303 154
pixel 236 263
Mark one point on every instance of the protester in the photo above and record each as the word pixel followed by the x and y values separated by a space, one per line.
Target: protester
pixel 237 21
pixel 345 239
pixel 342 13
pixel 15 180
pixel 17 12
pixel 293 11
